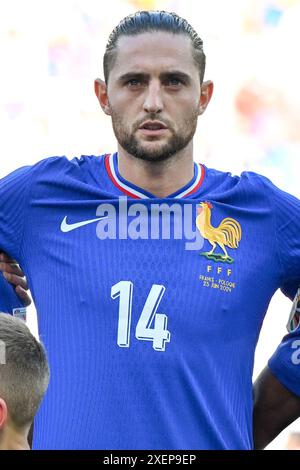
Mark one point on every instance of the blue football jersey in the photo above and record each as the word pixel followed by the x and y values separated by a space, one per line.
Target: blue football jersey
pixel 150 309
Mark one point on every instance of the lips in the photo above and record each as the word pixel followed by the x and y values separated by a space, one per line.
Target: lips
pixel 153 129
pixel 153 126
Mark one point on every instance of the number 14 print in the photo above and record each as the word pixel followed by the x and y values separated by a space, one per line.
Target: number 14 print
pixel 159 335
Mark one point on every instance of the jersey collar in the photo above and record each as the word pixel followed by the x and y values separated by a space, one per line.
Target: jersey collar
pixel 131 190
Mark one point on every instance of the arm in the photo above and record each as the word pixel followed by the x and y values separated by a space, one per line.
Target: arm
pixel 275 407
pixel 277 389
pixel 15 276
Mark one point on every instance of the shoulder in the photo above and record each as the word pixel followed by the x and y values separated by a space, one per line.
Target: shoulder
pixel 262 183
pixel 53 163
pixel 247 178
pixel 252 188
pixel 246 185
pixel 266 188
pixel 61 164
pixel 64 161
pixel 284 204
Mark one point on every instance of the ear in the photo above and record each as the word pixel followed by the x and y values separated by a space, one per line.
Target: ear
pixel 207 89
pixel 100 88
pixel 3 414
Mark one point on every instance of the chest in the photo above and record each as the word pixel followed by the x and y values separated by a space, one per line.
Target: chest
pixel 121 265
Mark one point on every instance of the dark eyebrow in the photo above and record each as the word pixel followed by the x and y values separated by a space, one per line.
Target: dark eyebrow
pixel 145 76
pixel 176 73
pixel 130 75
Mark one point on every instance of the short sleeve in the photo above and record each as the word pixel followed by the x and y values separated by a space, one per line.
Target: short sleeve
pixel 285 362
pixel 14 190
pixel 288 239
pixel 286 210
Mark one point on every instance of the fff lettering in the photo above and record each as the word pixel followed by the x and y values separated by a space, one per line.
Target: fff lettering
pixel 219 270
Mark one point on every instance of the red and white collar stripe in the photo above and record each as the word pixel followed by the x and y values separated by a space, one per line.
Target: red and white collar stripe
pixel 122 185
pixel 135 192
pixel 196 184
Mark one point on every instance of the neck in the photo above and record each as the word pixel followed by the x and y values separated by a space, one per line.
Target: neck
pixel 11 439
pixel 158 178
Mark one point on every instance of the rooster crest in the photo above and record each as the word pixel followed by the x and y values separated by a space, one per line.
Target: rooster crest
pixel 228 233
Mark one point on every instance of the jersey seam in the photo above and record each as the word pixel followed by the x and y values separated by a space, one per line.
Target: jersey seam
pixel 277 250
pixel 26 209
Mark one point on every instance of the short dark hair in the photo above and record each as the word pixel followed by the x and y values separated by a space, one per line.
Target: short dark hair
pixel 24 370
pixel 153 21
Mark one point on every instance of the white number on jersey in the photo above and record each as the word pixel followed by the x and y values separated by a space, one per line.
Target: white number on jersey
pixel 123 290
pixel 145 331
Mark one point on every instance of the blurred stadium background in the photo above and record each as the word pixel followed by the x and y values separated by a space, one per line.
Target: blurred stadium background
pixel 52 50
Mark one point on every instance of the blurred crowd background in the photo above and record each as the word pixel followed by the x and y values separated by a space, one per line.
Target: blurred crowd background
pixel 52 50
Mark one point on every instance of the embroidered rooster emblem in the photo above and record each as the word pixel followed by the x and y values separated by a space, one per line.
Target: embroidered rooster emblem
pixel 228 233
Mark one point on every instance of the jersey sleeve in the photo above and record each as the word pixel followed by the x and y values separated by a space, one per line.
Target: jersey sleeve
pixel 14 203
pixel 285 362
pixel 288 240
pixel 286 210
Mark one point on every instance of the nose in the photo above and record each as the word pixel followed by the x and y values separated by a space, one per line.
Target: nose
pixel 153 100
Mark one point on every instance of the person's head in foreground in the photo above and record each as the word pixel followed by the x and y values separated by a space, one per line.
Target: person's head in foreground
pixel 24 377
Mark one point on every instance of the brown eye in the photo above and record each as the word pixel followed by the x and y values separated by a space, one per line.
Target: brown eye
pixel 133 82
pixel 174 82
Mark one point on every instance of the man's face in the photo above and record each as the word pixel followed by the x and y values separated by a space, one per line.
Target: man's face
pixel 154 94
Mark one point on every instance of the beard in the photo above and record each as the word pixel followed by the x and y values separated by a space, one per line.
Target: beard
pixel 177 142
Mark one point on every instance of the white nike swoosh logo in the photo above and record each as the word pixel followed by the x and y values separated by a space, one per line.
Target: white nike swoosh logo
pixel 65 227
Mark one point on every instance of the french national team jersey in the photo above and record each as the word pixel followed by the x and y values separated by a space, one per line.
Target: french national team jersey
pixel 150 309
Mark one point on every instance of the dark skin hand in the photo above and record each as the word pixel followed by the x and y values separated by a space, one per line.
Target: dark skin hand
pixel 15 276
pixel 275 407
